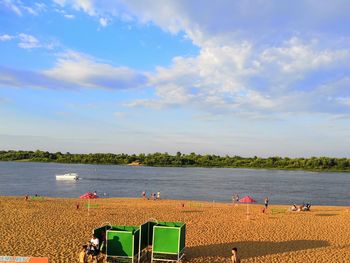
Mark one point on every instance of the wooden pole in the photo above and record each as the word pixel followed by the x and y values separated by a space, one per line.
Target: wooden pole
pixel 247 210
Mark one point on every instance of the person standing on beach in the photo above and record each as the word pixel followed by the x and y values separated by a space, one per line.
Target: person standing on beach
pixel 235 258
pixel 158 195
pixel 237 199
pixel 266 202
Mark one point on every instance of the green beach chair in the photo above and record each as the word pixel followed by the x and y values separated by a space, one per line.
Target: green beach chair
pixel 122 244
pixel 169 240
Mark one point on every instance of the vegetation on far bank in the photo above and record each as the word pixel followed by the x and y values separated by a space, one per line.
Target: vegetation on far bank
pixel 183 160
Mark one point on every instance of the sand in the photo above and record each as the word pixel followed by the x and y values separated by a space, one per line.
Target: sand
pixel 54 228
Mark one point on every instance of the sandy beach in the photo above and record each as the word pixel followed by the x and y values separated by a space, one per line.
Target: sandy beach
pixel 54 228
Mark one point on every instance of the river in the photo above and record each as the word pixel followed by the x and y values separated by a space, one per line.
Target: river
pixel 282 187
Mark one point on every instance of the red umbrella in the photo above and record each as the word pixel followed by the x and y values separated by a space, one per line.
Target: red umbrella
pixel 247 199
pixel 89 195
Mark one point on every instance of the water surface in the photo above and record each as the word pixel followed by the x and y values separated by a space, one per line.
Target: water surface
pixel 282 187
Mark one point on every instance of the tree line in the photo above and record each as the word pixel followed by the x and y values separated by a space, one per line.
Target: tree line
pixel 182 160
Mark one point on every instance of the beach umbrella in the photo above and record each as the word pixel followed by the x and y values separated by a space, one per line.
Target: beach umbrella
pixel 89 196
pixel 247 199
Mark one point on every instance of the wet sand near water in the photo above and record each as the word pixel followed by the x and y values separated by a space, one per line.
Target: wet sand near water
pixel 54 228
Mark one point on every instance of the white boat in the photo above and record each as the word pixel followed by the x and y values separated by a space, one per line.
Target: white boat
pixel 69 176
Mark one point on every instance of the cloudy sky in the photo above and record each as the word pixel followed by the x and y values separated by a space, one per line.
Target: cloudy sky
pixel 250 77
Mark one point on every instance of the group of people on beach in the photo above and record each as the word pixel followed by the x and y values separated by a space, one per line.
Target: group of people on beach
pixel 303 207
pixel 153 196
pixel 235 201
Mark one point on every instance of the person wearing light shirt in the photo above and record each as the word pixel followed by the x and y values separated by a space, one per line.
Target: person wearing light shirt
pixel 94 245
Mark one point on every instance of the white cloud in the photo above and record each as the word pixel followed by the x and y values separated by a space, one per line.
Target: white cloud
pixel 75 70
pixel 6 37
pixel 86 6
pixel 68 16
pixel 84 71
pixel 244 80
pixel 19 8
pixel 30 10
pixel 295 56
pixel 28 41
pixel 40 7
pixel 103 21
pixel 224 19
pixel 60 2
pixel 254 57
pixel 12 6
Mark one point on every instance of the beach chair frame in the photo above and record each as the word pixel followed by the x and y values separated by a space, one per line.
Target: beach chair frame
pixel 166 254
pixel 146 239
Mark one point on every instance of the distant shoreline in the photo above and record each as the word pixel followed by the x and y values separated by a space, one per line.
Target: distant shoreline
pixel 312 164
pixel 192 166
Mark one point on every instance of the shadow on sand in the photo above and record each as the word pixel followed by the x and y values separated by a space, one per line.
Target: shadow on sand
pixel 251 249
pixel 326 214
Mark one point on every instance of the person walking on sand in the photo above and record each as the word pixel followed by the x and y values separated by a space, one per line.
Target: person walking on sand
pixel 266 202
pixel 235 258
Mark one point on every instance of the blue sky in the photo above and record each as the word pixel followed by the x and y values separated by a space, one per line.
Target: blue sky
pixel 235 77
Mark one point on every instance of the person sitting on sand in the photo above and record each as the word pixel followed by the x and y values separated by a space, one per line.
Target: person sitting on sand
pixel 94 246
pixel 82 255
pixel 235 258
pixel 300 208
pixel 294 208
pixel 307 207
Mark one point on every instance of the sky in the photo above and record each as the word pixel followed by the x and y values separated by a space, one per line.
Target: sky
pixel 249 78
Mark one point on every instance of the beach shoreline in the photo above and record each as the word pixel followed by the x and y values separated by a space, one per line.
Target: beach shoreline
pixel 55 228
pixel 207 202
